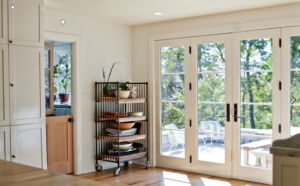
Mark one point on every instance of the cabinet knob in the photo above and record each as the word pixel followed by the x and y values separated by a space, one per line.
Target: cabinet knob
pixel 13 156
pixel 11 85
pixel 12 6
pixel 70 120
pixel 10 41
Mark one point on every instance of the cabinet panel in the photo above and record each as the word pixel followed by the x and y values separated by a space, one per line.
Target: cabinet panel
pixel 27 82
pixel 26 22
pixel 3 22
pixel 5 143
pixel 28 145
pixel 4 86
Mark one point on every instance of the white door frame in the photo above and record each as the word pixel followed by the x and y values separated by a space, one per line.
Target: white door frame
pixel 202 166
pixel 164 160
pixel 245 172
pixel 286 34
pixel 76 97
pixel 230 28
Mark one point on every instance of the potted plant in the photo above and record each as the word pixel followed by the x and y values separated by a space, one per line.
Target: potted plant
pixel 107 88
pixel 124 92
pixel 55 91
pixel 62 68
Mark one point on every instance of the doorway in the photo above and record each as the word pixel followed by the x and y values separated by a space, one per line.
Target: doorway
pixel 219 103
pixel 59 119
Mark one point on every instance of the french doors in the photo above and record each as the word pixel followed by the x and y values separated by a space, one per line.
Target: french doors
pixel 256 103
pixel 211 96
pixel 290 81
pixel 173 103
pixel 218 103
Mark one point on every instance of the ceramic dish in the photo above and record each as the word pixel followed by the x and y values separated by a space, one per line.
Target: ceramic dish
pixel 124 94
pixel 135 114
pixel 123 126
pixel 125 144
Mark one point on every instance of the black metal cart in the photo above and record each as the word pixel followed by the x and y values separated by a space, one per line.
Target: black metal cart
pixel 110 111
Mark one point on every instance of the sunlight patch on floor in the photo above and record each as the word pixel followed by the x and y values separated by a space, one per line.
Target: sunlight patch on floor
pixel 174 179
pixel 210 182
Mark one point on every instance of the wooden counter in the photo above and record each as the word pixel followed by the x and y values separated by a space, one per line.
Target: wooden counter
pixel 14 174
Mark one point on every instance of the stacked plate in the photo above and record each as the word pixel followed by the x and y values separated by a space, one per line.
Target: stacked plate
pixel 116 132
pixel 125 148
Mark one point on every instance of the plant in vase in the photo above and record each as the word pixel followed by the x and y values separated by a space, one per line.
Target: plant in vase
pixel 63 68
pixel 108 87
pixel 124 92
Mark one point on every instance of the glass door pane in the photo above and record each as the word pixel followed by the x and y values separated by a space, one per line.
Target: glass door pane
pixel 211 102
pixel 256 123
pixel 211 134
pixel 172 101
pixel 256 98
pixel 294 85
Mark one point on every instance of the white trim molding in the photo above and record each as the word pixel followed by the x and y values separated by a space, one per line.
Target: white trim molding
pixel 76 97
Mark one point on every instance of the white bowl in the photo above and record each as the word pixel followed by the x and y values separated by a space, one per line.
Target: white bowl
pixel 124 94
pixel 135 114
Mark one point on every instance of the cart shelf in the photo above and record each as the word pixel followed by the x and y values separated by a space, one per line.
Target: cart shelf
pixel 123 158
pixel 125 138
pixel 122 101
pixel 126 119
pixel 106 115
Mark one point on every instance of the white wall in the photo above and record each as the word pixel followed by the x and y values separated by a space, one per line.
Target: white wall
pixel 102 43
pixel 226 22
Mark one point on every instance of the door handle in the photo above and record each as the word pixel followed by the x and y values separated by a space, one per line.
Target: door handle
pixel 13 156
pixel 235 113
pixel 70 120
pixel 227 113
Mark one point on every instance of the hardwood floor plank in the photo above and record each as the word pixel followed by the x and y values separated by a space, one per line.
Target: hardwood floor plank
pixel 137 175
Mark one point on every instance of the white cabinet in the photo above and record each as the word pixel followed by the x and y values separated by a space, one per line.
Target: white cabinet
pixel 28 145
pixel 4 86
pixel 3 22
pixel 5 143
pixel 26 22
pixel 27 95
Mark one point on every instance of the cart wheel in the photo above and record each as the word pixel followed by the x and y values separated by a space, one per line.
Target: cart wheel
pixel 147 164
pixel 117 172
pixel 98 168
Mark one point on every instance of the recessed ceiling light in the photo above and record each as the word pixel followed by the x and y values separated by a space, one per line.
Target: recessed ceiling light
pixel 62 22
pixel 157 13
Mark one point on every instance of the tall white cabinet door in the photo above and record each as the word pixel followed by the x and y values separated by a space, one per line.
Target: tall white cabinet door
pixel 4 86
pixel 5 143
pixel 27 100
pixel 28 145
pixel 3 22
pixel 26 22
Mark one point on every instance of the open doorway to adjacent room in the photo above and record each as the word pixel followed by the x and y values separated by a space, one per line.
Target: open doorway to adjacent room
pixel 59 118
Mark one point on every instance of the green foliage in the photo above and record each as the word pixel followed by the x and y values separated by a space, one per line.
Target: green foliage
pixel 255 86
pixel 123 86
pixel 63 68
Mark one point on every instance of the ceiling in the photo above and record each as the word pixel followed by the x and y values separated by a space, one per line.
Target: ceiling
pixel 136 12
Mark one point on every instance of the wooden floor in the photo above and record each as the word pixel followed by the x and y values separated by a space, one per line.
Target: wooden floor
pixel 137 175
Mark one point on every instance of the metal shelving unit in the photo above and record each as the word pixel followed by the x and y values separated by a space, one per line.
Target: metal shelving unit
pixel 113 105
